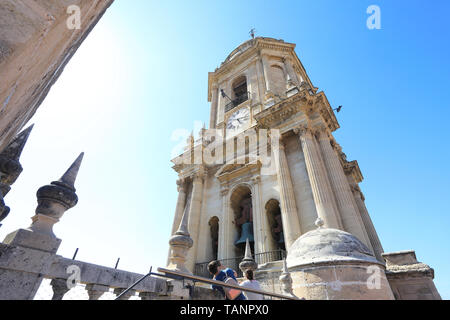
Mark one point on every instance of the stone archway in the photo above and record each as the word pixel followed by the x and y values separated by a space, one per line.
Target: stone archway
pixel 242 215
pixel 273 213
pixel 214 232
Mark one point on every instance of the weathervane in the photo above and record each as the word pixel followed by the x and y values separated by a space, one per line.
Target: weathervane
pixel 252 33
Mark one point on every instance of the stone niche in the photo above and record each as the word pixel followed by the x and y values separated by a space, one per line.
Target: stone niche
pixel 409 278
pixel 330 264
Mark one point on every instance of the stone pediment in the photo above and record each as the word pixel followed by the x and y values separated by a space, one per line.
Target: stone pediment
pixel 231 171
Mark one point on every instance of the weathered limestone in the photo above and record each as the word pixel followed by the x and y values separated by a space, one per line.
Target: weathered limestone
pixel 351 219
pixel 409 278
pixel 291 224
pixel 323 196
pixel 60 288
pixel 95 291
pixel 35 46
pixel 330 264
pixel 286 281
pixel 35 246
pixel 10 167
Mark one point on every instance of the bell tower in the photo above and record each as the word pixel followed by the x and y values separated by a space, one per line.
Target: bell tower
pixel 263 100
pixel 269 172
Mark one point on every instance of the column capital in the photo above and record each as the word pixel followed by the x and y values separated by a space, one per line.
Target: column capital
pixel 256 179
pixel 224 191
pixel 303 130
pixel 181 185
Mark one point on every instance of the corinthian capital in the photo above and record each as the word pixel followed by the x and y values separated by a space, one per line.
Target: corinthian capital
pixel 302 130
pixel 181 185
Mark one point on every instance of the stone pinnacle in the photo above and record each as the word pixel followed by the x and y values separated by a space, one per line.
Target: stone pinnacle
pixel 248 251
pixel 68 178
pixel 15 148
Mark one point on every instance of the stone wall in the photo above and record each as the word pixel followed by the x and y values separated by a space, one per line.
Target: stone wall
pixel 35 46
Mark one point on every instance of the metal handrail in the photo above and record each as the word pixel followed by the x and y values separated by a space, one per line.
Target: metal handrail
pixel 220 283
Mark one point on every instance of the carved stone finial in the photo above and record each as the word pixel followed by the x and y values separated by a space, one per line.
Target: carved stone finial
pixel 55 199
pixel 10 167
pixel 180 243
pixel 4 209
pixel 319 223
pixel 286 281
pixel 248 262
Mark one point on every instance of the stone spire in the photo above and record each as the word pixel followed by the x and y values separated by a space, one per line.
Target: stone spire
pixel 10 167
pixel 69 177
pixel 55 199
pixel 248 262
pixel 286 281
pixel 180 243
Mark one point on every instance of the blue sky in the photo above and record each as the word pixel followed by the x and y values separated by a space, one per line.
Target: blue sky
pixel 142 74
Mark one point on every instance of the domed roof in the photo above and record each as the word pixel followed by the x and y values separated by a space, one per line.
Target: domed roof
pixel 325 246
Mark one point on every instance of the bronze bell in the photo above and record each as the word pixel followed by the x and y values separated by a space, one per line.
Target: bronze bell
pixel 246 232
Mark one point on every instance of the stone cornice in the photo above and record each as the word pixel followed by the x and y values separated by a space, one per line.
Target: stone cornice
pixel 283 110
pixel 352 168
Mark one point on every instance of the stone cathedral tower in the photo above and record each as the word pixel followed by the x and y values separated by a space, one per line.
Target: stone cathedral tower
pixel 304 204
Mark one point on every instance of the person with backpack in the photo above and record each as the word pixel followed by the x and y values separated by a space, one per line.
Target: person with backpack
pixel 226 275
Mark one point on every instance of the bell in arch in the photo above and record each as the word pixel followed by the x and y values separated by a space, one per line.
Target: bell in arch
pixel 246 233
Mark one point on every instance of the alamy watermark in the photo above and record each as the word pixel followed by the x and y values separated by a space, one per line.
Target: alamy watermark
pixel 220 147
pixel 73 22
pixel 374 20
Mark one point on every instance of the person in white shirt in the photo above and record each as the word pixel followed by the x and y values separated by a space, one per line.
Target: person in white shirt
pixel 251 283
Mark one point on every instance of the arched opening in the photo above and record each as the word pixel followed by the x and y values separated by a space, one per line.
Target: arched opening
pixel 240 91
pixel 214 230
pixel 273 212
pixel 241 204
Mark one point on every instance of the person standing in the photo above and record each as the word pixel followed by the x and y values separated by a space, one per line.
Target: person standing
pixel 221 273
pixel 251 283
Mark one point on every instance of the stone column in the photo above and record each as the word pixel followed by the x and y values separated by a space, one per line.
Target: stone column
pixel 194 217
pixel 289 214
pixel 320 185
pixel 371 232
pixel 224 227
pixel 260 223
pixel 95 291
pixel 60 288
pixel 351 219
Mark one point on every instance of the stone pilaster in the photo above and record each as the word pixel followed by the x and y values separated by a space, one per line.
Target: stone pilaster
pixel 194 216
pixel 349 213
pixel 371 232
pixel 289 214
pixel 320 185
pixel 214 107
